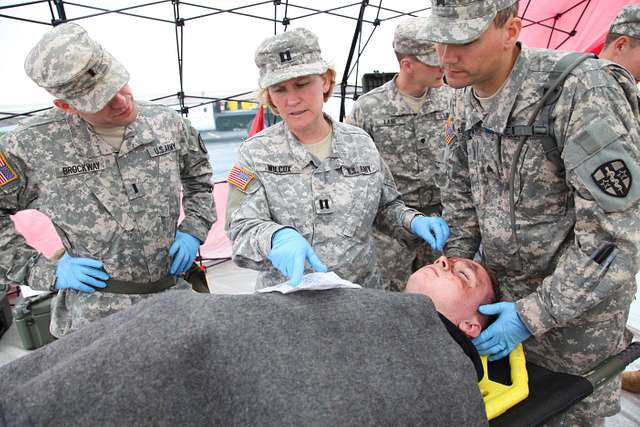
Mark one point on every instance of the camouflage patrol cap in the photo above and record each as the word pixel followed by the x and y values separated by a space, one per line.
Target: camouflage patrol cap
pixel 627 22
pixel 73 67
pixel 289 55
pixel 461 21
pixel 406 41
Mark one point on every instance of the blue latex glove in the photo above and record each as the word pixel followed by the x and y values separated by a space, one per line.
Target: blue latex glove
pixel 82 274
pixel 432 229
pixel 183 251
pixel 503 335
pixel 289 250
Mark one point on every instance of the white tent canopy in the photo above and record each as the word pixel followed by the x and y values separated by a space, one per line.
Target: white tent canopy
pixel 199 48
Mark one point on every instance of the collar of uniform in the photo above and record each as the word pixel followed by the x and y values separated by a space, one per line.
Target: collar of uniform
pixel 496 119
pixel 339 149
pixel 472 109
pixel 299 155
pixel 86 140
pixel 129 142
pixel 397 100
pixel 437 100
pixel 134 135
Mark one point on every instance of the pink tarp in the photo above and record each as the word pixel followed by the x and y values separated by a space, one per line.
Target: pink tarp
pixel 38 230
pixel 217 245
pixel 579 25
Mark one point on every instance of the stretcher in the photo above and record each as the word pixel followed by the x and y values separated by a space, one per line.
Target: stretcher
pixel 520 393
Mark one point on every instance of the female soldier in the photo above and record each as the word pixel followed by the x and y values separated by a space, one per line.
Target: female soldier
pixel 309 184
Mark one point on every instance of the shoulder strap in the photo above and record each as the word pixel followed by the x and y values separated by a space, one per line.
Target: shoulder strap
pixel 559 73
pixel 540 122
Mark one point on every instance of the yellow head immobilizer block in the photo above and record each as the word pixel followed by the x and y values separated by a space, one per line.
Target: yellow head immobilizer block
pixel 498 398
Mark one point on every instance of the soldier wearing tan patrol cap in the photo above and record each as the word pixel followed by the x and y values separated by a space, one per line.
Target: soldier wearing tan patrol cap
pixel 543 193
pixel 310 188
pixel 622 44
pixel 405 117
pixel 107 170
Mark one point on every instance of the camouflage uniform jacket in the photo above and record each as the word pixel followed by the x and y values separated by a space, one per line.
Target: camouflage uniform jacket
pixel 332 203
pixel 120 208
pixel 410 143
pixel 576 320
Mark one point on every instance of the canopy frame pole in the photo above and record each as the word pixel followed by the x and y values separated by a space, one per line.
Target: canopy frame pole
pixel 354 43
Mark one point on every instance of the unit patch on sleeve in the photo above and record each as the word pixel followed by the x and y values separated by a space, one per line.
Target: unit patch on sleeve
pixel 201 144
pixel 7 174
pixel 614 178
pixel 240 177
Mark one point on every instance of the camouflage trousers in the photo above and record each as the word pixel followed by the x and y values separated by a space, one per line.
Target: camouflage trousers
pixel 72 310
pixel 397 261
pixel 590 412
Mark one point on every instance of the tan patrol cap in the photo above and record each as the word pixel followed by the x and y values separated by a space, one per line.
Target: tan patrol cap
pixel 73 67
pixel 406 41
pixel 627 23
pixel 288 55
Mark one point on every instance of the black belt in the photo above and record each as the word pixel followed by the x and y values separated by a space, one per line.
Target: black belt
pixel 124 287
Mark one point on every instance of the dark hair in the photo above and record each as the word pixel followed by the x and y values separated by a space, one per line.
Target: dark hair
pixel 611 37
pixel 505 14
pixel 495 285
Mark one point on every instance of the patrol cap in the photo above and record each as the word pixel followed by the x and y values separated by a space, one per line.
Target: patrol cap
pixel 288 55
pixel 627 22
pixel 461 21
pixel 406 41
pixel 73 67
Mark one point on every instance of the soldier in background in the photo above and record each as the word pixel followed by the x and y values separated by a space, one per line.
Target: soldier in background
pixel 541 219
pixel 406 119
pixel 309 188
pixel 108 172
pixel 622 44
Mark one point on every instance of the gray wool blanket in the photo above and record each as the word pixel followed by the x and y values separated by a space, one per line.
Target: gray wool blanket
pixel 314 358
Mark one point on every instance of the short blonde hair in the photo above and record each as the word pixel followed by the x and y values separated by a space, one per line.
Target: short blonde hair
pixel 262 94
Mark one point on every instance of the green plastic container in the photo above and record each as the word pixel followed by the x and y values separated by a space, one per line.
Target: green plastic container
pixel 32 317
pixel 5 312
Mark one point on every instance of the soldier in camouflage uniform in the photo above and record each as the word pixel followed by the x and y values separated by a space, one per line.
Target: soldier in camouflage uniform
pixel 309 184
pixel 541 222
pixel 622 44
pixel 405 117
pixel 108 172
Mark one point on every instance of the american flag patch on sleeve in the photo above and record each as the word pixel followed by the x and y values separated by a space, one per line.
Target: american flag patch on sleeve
pixel 240 177
pixel 7 174
pixel 449 131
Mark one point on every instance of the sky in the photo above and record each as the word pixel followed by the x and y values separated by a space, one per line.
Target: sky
pixel 218 50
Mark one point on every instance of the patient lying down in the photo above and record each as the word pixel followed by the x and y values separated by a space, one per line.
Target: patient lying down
pixel 335 357
pixel 457 287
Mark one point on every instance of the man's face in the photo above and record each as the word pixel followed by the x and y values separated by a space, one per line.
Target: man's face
pixel 481 62
pixel 426 76
pixel 457 286
pixel 120 111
